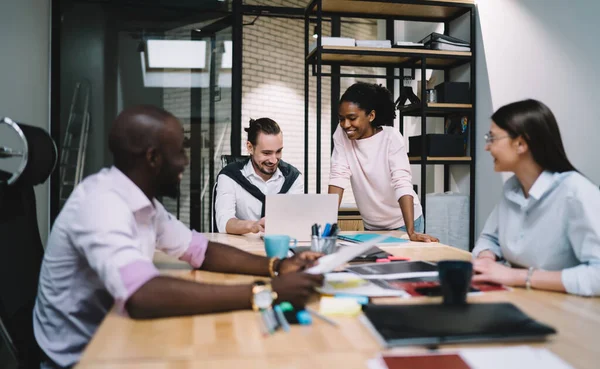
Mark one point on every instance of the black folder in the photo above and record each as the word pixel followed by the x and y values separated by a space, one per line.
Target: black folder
pixel 435 324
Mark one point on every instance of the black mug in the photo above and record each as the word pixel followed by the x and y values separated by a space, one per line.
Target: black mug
pixel 455 280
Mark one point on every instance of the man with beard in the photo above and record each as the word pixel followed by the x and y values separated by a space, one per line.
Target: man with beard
pixel 100 250
pixel 242 186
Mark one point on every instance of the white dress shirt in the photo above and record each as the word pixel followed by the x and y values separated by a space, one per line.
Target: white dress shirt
pixel 233 201
pixel 557 228
pixel 100 252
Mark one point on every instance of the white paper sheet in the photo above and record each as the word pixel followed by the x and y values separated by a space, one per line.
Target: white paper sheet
pixel 329 263
pixel 365 288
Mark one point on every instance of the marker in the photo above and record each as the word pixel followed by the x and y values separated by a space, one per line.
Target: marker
pixel 282 320
pixel 334 230
pixel 326 230
pixel 314 242
pixel 322 317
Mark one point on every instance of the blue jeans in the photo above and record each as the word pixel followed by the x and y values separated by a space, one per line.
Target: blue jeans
pixel 419 227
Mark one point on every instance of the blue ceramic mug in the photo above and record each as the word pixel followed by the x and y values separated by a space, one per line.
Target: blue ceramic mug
pixel 278 245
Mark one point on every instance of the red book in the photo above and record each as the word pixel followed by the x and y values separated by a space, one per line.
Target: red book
pixel 432 288
pixel 451 361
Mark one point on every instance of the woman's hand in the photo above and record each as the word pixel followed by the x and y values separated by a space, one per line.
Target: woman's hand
pixel 490 271
pixel 487 254
pixel 422 237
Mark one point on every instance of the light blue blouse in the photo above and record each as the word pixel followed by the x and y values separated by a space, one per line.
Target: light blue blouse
pixel 556 228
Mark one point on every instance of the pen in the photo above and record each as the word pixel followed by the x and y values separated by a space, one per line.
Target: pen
pixel 282 320
pixel 269 321
pixel 322 317
pixel 261 325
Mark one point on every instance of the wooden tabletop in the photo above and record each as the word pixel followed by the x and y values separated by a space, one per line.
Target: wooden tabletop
pixel 233 340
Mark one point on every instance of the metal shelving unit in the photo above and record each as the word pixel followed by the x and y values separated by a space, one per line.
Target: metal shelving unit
pixel 395 58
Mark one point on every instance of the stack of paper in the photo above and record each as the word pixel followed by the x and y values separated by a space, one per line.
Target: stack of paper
pixel 333 41
pixel 516 357
pixel 374 43
pixel 351 284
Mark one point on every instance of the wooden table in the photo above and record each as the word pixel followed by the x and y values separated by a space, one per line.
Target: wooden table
pixel 233 340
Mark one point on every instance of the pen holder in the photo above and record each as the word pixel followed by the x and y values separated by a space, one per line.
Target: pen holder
pixel 325 245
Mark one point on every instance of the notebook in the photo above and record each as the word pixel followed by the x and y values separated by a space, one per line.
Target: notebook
pixel 395 270
pixel 366 237
pixel 434 324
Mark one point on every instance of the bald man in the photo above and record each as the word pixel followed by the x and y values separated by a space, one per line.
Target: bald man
pixel 100 249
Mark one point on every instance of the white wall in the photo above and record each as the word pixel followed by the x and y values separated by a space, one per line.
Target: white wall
pixel 24 71
pixel 543 50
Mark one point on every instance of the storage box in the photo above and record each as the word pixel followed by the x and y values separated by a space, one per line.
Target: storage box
pixel 453 92
pixel 437 145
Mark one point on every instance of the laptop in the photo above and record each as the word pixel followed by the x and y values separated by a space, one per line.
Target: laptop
pixel 434 324
pixel 293 215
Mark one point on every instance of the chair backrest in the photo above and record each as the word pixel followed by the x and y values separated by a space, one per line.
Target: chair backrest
pixel 21 254
pixel 21 249
pixel 8 355
pixel 228 159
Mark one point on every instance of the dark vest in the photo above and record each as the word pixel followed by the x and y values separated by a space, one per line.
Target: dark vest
pixel 234 171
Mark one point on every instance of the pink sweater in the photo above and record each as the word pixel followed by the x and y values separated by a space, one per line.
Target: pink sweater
pixel 379 172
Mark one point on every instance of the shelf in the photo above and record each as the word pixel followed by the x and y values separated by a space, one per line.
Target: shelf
pixel 465 160
pixel 424 10
pixel 395 57
pixel 436 109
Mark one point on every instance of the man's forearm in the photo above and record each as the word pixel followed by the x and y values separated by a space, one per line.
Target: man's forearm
pixel 238 226
pixel 227 259
pixel 163 297
pixel 407 207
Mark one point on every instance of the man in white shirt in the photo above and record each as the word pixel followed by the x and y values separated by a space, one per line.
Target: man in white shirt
pixel 242 186
pixel 101 247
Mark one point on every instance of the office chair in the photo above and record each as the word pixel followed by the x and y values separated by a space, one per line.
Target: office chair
pixel 225 160
pixel 228 159
pixel 28 156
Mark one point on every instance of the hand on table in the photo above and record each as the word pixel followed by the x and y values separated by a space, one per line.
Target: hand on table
pixel 296 288
pixel 422 237
pixel 490 271
pixel 258 226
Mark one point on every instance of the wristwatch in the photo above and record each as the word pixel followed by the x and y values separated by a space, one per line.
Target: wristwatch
pixel 262 295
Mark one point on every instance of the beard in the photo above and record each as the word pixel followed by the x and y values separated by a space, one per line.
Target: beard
pixel 263 168
pixel 168 184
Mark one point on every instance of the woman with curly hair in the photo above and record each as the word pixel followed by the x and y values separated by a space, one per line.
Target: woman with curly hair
pixel 371 154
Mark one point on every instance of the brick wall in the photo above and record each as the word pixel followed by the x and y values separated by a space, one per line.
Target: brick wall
pixel 272 86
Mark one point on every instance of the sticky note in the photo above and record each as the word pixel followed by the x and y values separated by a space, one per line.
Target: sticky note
pixel 331 306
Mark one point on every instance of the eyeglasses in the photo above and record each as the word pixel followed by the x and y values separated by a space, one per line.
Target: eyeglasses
pixel 489 138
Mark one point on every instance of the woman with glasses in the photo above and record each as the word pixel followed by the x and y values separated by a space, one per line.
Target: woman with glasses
pixel 547 224
pixel 371 155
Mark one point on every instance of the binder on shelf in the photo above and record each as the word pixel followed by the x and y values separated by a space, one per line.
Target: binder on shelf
pixel 437 41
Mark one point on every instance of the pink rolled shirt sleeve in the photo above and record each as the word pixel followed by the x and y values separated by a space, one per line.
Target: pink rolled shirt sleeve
pixel 340 173
pixel 176 239
pixel 106 237
pixel 400 171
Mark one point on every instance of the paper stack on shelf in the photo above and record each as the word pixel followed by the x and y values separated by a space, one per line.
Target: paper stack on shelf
pixel 374 43
pixel 333 41
pixel 409 44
